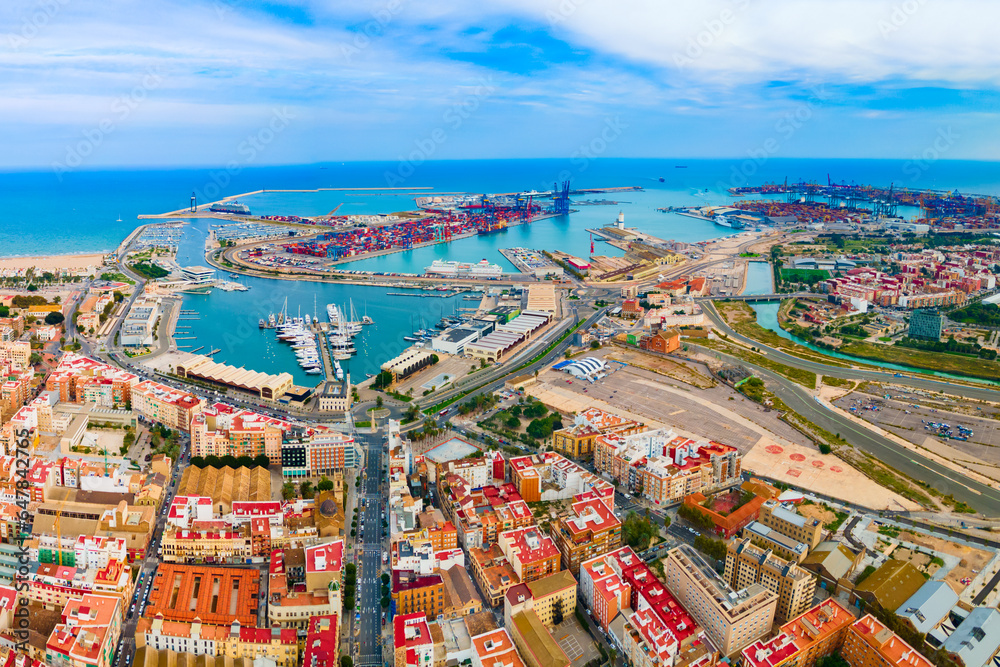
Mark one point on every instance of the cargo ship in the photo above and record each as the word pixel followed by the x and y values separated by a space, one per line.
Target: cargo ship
pixel 445 269
pixel 230 207
pixel 723 221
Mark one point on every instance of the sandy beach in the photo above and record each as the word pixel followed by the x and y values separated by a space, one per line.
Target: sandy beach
pixel 49 263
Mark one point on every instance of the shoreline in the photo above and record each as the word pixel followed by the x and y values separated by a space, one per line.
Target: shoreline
pixel 66 261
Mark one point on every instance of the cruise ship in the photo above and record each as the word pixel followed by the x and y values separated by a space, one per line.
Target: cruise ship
pixel 464 270
pixel 230 207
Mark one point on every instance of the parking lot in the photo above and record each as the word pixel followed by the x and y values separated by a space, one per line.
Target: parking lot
pixel 574 640
pixel 911 421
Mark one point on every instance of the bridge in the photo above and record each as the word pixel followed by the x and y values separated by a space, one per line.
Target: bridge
pixel 761 297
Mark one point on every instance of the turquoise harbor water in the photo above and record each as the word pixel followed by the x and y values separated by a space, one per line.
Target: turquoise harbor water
pixel 45 215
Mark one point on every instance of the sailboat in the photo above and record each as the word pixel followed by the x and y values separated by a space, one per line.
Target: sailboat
pixel 119 218
pixel 365 319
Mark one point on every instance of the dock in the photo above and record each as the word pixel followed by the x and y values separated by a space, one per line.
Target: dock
pixel 439 295
pixel 197 349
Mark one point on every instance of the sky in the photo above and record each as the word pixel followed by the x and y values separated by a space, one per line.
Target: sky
pixel 211 82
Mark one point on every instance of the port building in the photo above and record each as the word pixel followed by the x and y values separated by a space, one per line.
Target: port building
pixel 454 341
pixel 266 386
pixel 200 275
pixel 408 363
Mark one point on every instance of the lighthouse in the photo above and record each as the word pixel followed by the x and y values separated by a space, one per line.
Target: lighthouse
pixel 621 220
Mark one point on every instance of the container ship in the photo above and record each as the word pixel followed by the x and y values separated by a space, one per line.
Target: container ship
pixel 464 270
pixel 230 207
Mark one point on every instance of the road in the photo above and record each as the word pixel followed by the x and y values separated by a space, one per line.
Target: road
pixel 981 392
pixel 151 561
pixel 368 551
pixel 983 498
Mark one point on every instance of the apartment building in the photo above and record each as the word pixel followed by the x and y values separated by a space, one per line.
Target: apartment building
pixel 791 524
pixel 731 619
pixel 589 530
pixel 551 476
pixel 220 430
pixel 550 598
pixel 158 403
pixel 495 649
pixel 803 640
pixel 869 643
pixel 232 641
pixel 415 593
pixel 531 554
pixel 482 513
pixel 87 634
pixel 747 564
pixel 577 441
pixel 770 539
pixel 318 454
pixel 413 644
pixel 493 572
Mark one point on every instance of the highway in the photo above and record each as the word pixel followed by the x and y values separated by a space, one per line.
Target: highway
pixel 983 498
pixel 981 392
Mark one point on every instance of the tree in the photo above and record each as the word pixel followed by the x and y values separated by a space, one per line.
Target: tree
pixel 557 611
pixel 349 603
pixel 287 490
pixel 595 344
pixel 32 287
pixel 832 660
pixel 383 379
pixel 325 485
pixel 261 461
pixel 378 402
pixel 385 578
pixel 434 359
pixel 638 531
pixel 35 358
pixel 345 661
pixel 710 547
pixel 385 602
pixel 306 489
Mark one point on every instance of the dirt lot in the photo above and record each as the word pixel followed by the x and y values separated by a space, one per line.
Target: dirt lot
pixel 672 369
pixel 822 514
pixel 972 561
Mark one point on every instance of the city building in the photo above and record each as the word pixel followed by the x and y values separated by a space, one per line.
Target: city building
pixel 732 510
pixel 815 634
pixel 87 635
pixel 416 593
pixel 158 403
pixel 869 643
pixel 322 645
pixel 531 554
pixel 534 641
pixel 211 595
pixel 221 430
pixel 731 619
pixel 590 529
pixel 782 545
pixel 926 608
pixel 888 587
pixel 832 562
pixel 790 523
pixel 551 598
pixel 577 441
pixel 266 386
pixel 551 476
pixel 493 572
pixel 324 565
pixel 925 324
pixel 226 485
pixel 138 329
pixel 317 454
pixel 976 641
pixel 408 363
pixel 495 649
pixel 747 564
pixel 412 643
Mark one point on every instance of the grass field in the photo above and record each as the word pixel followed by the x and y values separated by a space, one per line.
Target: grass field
pixel 803 275
pixel 935 361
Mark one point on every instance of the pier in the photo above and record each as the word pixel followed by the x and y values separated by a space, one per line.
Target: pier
pixel 439 295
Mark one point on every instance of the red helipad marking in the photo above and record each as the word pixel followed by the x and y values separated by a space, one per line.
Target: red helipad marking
pixel 775 449
pixel 798 457
pixel 817 464
pixel 793 472
pixel 836 469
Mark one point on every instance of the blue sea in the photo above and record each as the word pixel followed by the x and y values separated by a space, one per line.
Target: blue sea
pixel 79 212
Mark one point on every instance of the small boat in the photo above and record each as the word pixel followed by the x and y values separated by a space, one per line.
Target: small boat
pixel 662 179
pixel 261 323
pixel 411 339
pixel 313 371
pixel 367 320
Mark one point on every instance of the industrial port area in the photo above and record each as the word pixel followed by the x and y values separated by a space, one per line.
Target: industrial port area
pixel 810 392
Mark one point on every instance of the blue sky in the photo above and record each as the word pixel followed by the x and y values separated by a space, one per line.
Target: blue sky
pixel 186 82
